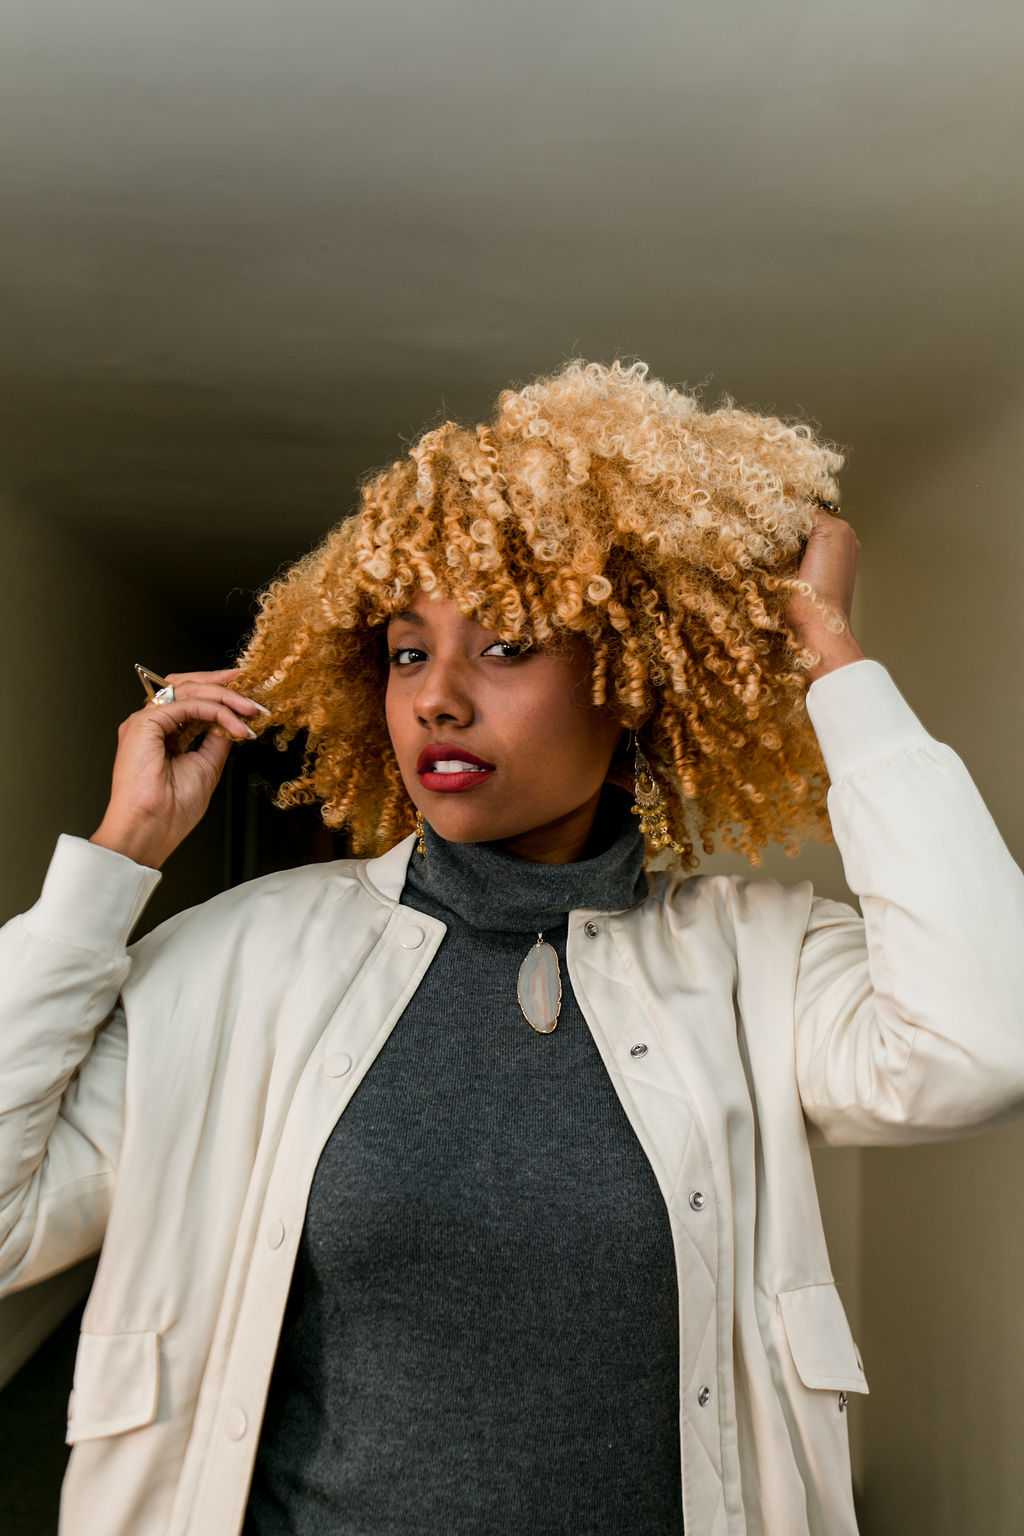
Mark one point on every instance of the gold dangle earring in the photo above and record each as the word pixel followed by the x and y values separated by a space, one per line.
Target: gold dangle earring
pixel 421 846
pixel 650 806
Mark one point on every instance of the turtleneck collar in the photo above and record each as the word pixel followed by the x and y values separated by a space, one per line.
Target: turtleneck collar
pixel 488 889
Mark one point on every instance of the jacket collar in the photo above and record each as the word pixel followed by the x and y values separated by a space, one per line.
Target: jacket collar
pixel 386 874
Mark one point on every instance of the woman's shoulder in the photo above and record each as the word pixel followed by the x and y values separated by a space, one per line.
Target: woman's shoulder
pixel 736 899
pixel 268 910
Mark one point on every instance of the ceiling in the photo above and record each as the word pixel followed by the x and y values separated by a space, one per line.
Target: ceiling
pixel 251 249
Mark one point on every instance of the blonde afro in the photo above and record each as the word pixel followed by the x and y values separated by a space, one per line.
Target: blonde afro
pixel 600 502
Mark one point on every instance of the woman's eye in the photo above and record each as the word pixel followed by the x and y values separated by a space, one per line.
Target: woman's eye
pixel 506 648
pixel 405 655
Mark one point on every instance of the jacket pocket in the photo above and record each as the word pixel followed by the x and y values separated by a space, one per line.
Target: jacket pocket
pixel 115 1385
pixel 820 1340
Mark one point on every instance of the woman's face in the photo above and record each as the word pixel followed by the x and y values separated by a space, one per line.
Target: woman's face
pixel 495 746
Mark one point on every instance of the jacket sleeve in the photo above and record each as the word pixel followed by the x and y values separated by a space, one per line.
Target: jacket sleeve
pixel 908 1021
pixel 62 1058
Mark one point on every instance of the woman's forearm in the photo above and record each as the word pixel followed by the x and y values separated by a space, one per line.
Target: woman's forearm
pixel 62 1058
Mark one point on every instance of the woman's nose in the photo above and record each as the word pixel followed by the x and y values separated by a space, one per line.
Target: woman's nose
pixel 444 695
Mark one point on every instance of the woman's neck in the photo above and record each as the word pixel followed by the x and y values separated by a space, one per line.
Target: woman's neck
pixel 563 841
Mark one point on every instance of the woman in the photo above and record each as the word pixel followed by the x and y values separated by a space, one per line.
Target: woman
pixel 466 1185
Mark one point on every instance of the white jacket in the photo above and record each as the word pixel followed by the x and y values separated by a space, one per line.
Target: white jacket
pixel 171 1101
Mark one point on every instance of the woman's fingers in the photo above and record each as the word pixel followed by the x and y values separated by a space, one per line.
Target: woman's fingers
pixel 829 566
pixel 819 613
pixel 215 676
pixel 172 718
pixel 191 691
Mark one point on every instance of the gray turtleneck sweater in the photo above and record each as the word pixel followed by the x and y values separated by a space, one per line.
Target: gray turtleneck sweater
pixel 482 1332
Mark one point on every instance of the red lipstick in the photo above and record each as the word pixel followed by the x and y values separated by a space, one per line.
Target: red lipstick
pixel 437 767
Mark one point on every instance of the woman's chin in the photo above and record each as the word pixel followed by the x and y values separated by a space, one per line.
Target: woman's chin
pixel 470 829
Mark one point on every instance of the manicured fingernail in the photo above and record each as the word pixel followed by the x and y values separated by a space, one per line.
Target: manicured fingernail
pixel 251 734
pixel 261 707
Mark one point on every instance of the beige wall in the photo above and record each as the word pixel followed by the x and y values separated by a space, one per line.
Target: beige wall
pixel 70 631
pixel 942 1227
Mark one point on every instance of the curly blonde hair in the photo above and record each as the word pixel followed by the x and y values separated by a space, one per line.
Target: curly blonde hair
pixel 598 502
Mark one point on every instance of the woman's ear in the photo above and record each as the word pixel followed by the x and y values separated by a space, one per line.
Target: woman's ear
pixel 620 769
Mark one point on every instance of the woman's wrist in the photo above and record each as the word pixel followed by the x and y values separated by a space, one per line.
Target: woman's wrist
pixel 147 848
pixel 834 651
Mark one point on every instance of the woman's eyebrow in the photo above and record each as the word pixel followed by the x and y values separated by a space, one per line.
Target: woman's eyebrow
pixel 409 616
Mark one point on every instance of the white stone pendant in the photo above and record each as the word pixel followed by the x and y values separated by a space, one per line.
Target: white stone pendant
pixel 539 987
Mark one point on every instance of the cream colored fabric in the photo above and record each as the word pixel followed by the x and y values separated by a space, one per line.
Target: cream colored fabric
pixel 176 1097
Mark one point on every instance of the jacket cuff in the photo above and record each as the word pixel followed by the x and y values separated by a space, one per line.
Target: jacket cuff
pixel 91 897
pixel 859 717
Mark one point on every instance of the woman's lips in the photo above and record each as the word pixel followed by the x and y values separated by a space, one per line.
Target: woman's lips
pixel 449 769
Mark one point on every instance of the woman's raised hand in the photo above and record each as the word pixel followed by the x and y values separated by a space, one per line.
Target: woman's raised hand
pixel 821 619
pixel 160 790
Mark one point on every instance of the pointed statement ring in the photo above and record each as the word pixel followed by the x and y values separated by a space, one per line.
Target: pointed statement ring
pixel 162 693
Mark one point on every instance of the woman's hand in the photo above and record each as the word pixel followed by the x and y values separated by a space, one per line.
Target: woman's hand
pixel 821 619
pixel 160 790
